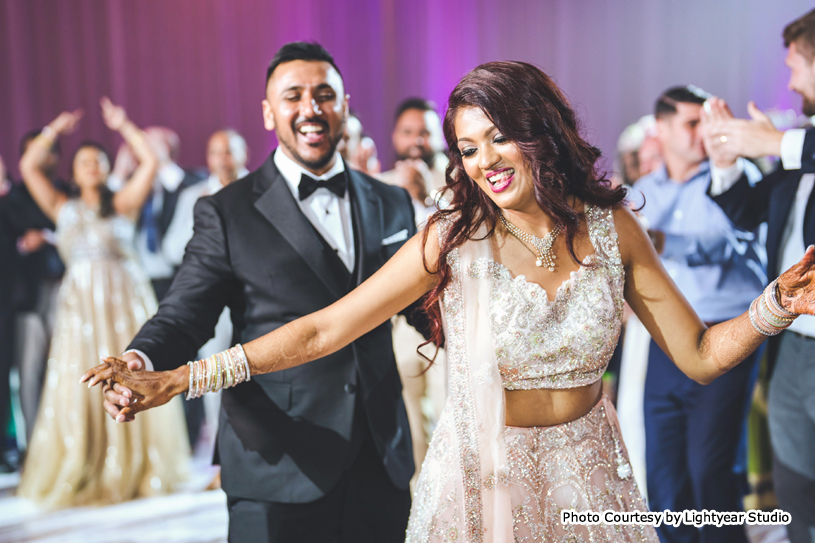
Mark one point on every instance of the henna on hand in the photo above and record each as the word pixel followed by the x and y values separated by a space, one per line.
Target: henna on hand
pixel 149 389
pixel 796 286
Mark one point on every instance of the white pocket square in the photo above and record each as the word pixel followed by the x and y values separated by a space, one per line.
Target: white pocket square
pixel 401 235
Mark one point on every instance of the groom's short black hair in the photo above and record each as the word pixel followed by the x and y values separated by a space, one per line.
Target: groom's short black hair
pixel 300 50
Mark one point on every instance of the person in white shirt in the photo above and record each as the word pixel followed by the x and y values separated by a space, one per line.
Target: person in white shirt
pixel 227 155
pixel 785 200
pixel 419 145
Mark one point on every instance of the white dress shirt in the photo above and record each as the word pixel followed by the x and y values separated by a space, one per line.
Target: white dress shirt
pixel 792 244
pixel 328 213
pixel 792 247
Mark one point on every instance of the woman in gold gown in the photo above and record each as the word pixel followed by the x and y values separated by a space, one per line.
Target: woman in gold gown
pixel 77 454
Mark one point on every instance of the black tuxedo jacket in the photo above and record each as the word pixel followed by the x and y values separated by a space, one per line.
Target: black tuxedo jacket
pixel 771 201
pixel 288 436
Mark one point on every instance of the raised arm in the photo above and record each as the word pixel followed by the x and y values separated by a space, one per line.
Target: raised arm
pixel 48 198
pixel 130 199
pixel 400 282
pixel 701 353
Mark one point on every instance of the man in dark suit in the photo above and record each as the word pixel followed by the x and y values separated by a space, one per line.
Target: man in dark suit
pixel 321 452
pixel 785 200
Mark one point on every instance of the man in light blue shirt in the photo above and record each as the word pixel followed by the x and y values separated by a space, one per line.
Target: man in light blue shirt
pixel 695 434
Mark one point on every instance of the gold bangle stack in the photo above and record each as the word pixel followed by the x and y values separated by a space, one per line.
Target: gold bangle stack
pixel 221 370
pixel 767 315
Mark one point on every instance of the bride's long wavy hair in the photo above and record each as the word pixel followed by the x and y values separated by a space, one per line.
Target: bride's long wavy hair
pixel 528 109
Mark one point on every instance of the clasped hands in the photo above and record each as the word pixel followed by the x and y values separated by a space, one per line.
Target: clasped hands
pixel 128 389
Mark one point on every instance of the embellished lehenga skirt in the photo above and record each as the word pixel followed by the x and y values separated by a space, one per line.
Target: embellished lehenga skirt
pixel 78 455
pixel 575 465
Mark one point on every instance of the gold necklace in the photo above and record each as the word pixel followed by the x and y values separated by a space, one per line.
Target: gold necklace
pixel 542 245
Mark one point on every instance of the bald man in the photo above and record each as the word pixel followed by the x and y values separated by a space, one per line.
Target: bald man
pixel 226 160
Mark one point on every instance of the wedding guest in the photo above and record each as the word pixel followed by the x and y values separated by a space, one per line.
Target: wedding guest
pixel 649 154
pixel 785 200
pixel 627 161
pixel 78 456
pixel 419 146
pixel 696 435
pixel 227 154
pixel 419 169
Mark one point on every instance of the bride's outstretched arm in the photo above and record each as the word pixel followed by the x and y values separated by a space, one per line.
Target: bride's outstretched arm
pixel 701 353
pixel 399 283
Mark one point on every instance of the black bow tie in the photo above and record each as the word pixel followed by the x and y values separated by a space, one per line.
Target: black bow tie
pixel 308 185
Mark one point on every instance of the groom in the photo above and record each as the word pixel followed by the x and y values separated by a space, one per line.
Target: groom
pixel 321 452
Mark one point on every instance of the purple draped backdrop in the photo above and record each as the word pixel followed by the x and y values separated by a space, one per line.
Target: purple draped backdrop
pixel 198 65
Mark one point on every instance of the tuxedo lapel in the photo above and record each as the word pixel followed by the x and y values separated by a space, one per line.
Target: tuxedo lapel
pixel 277 204
pixel 368 208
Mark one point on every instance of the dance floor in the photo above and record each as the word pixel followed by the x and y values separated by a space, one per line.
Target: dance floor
pixel 192 516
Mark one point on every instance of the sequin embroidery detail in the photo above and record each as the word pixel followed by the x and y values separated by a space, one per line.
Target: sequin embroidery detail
pixel 565 343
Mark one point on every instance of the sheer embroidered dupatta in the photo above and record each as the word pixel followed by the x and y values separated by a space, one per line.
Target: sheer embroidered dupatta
pixel 462 493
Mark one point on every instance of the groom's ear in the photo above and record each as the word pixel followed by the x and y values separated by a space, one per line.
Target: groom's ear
pixel 268 116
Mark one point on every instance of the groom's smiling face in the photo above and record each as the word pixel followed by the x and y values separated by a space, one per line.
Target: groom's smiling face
pixel 306 105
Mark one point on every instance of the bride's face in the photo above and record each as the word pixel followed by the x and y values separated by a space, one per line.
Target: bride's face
pixel 495 163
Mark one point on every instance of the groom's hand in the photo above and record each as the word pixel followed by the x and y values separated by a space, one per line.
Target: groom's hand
pixel 118 396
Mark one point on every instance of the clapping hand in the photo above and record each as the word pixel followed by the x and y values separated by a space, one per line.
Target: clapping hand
pixel 412 175
pixel 114 116
pixel 727 138
pixel 796 286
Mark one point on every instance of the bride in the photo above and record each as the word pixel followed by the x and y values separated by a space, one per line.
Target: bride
pixel 524 276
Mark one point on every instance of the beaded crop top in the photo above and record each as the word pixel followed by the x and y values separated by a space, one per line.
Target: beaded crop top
pixel 565 343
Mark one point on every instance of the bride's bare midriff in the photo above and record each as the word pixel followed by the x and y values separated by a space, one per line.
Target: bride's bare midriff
pixel 548 407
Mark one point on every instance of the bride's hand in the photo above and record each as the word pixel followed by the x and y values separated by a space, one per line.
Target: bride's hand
pixel 796 286
pixel 150 389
